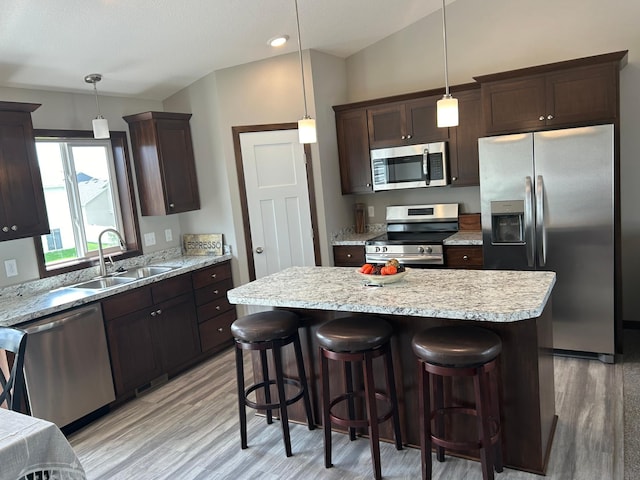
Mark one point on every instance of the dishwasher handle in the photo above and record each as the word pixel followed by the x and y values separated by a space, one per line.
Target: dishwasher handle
pixel 55 324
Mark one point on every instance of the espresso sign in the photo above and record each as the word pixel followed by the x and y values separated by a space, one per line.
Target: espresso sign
pixel 202 243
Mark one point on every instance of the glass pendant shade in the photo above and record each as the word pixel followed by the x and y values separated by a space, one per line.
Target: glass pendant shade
pixel 100 127
pixel 307 130
pixel 447 108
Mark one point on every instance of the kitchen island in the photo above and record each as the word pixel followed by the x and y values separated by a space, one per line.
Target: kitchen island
pixel 515 305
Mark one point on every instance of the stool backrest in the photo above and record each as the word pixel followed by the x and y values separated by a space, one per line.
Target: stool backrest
pixel 11 388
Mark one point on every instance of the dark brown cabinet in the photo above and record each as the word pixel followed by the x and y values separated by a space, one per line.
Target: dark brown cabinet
pixel 405 123
pixel 215 313
pixel 463 147
pixel 463 256
pixel 348 255
pixel 151 331
pixel 573 93
pixel 22 206
pixel 164 162
pixel 353 151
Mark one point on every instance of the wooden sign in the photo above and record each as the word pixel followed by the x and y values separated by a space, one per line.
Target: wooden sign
pixel 202 243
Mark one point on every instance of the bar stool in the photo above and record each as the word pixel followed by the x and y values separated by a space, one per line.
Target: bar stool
pixel 358 339
pixel 459 351
pixel 270 330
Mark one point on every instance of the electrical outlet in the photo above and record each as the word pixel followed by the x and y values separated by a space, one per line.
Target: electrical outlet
pixel 11 267
pixel 149 239
pixel 371 211
pixel 168 235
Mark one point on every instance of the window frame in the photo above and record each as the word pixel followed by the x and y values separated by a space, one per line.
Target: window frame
pixel 126 199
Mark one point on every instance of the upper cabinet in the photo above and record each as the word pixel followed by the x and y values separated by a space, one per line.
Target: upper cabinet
pixel 572 93
pixel 463 146
pixel 164 162
pixel 353 151
pixel 405 123
pixel 22 206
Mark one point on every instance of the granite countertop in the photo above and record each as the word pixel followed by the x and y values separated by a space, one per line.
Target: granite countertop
pixel 484 295
pixel 462 237
pixel 22 303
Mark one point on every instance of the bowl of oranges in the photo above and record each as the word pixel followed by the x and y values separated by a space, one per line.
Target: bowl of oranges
pixel 378 274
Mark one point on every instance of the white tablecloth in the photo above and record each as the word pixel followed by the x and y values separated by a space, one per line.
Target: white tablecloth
pixel 31 448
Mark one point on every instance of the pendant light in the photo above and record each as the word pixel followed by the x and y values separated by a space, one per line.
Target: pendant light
pixel 100 124
pixel 447 107
pixel 307 125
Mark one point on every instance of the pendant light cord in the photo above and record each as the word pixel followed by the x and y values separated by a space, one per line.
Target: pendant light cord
pixel 444 38
pixel 95 90
pixel 304 92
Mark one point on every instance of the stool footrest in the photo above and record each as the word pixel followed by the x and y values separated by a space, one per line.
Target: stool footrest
pixel 272 406
pixel 361 422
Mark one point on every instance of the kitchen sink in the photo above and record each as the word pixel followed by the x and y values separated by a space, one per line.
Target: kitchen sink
pixel 102 283
pixel 144 272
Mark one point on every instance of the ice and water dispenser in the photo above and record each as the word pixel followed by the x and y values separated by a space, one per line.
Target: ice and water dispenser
pixel 507 222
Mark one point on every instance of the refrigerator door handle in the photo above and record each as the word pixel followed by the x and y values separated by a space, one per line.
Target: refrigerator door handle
pixel 541 232
pixel 528 221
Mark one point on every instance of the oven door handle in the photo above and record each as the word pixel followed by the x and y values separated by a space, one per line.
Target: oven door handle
pixel 403 259
pixel 425 165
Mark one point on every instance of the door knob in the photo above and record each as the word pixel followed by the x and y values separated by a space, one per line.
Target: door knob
pixel 259 250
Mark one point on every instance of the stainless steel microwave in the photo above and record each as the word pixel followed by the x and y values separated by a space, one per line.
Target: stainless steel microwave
pixel 411 166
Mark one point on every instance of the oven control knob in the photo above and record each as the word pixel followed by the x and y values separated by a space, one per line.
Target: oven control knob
pixel 384 249
pixel 377 249
pixel 425 249
pixel 420 249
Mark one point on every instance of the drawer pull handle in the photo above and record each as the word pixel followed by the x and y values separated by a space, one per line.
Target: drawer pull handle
pixel 213 275
pixel 215 292
pixel 217 307
pixel 220 329
pixel 349 255
pixel 465 257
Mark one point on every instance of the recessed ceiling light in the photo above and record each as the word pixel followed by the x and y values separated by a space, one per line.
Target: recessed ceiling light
pixel 279 40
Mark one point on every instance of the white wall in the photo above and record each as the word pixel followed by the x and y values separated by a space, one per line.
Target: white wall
pixel 498 35
pixel 74 112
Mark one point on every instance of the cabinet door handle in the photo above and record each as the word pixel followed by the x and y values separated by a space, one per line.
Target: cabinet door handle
pixel 153 314
pixel 549 117
pixel 409 136
pixel 5 229
pixel 368 184
pixel 453 179
pixel 541 118
pixel 220 329
pixel 217 307
pixel 14 227
pixel 349 255
pixel 403 137
pixel 213 275
pixel 215 292
pixel 172 205
pixel 465 257
pixel 159 312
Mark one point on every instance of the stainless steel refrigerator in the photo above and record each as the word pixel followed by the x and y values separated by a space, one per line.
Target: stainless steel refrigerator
pixel 548 202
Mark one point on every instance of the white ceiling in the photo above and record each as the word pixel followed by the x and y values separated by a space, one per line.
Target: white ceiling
pixel 153 48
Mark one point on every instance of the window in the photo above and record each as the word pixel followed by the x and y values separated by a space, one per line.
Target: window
pixel 87 189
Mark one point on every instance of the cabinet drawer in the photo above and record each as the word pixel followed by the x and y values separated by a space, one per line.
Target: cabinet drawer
pixel 217 331
pixel 213 292
pixel 463 257
pixel 127 302
pixel 171 287
pixel 213 309
pixel 348 255
pixel 212 274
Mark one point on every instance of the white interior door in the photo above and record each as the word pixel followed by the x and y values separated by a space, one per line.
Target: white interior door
pixel 277 200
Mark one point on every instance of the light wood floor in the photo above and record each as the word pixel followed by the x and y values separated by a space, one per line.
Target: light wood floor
pixel 188 429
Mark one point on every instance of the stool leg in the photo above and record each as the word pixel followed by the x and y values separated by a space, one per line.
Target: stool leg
pixel 326 418
pixel 374 437
pixel 438 397
pixel 267 385
pixel 241 399
pixel 348 385
pixel 495 413
pixel 481 393
pixel 424 404
pixel 391 385
pixel 282 399
pixel 303 381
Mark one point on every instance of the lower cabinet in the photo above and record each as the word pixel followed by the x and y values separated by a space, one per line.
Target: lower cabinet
pixel 348 255
pixel 151 331
pixel 215 313
pixel 463 256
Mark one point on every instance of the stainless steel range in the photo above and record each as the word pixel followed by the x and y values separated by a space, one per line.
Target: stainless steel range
pixel 414 235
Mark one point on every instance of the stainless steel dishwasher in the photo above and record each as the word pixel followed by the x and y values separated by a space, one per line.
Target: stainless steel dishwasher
pixel 67 368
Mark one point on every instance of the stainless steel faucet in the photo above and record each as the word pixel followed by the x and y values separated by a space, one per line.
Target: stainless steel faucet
pixel 103 267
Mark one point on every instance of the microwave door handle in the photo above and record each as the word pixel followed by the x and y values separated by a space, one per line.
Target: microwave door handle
pixel 425 165
pixel 528 222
